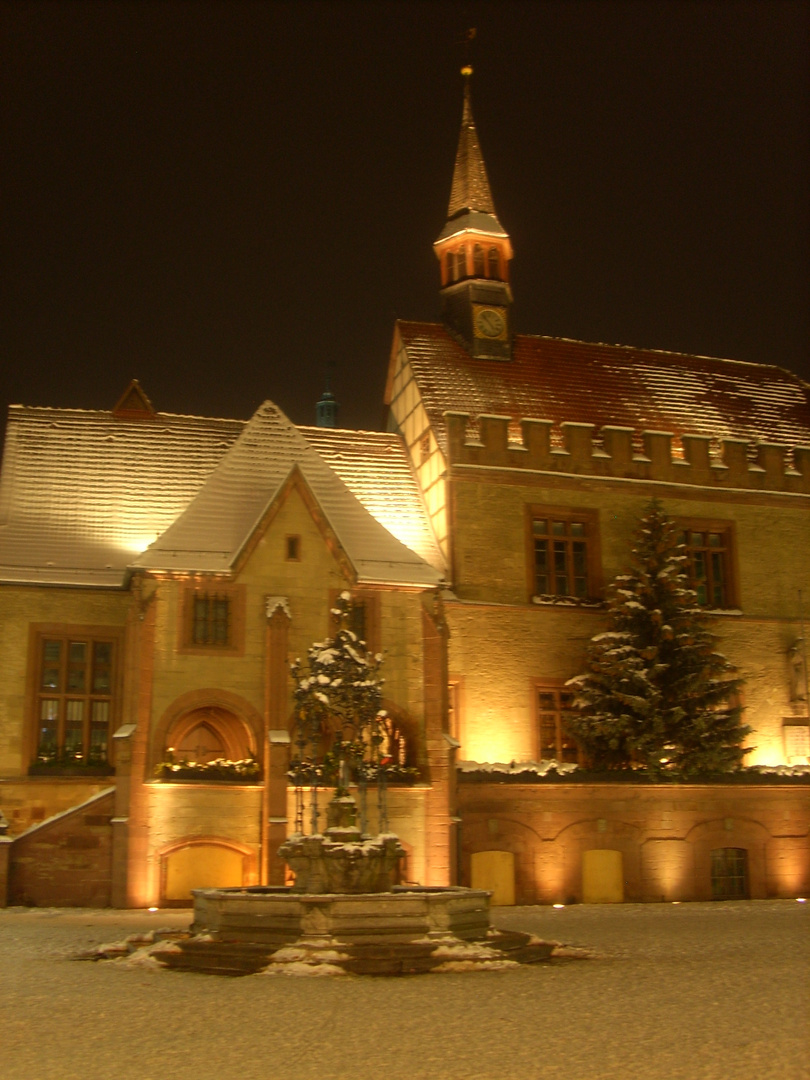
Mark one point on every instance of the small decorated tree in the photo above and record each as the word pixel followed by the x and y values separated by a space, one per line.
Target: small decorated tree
pixel 342 732
pixel 342 736
pixel 655 693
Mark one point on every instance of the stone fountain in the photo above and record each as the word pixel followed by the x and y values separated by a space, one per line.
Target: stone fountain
pixel 344 913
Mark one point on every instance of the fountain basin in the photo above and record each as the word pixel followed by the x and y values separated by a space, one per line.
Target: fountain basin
pixel 262 914
pixel 407 931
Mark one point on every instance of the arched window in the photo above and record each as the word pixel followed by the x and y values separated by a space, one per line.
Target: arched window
pixel 494 269
pixel 449 267
pixel 461 263
pixel 478 261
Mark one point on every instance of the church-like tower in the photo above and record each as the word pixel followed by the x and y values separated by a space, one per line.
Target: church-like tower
pixel 474 250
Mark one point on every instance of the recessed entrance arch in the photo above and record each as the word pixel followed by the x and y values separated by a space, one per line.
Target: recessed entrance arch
pixel 203 863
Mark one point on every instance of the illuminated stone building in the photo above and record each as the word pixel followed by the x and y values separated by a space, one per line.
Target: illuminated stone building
pixel 158 573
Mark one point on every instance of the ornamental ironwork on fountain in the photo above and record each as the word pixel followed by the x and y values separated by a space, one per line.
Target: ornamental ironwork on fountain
pixel 345 745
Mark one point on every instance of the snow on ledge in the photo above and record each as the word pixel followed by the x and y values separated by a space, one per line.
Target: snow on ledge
pixel 540 768
pixel 779 770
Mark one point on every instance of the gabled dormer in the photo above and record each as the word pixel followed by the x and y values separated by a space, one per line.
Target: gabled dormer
pixel 474 250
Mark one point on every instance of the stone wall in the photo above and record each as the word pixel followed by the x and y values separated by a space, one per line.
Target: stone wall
pixel 66 861
pixel 30 801
pixel 666 834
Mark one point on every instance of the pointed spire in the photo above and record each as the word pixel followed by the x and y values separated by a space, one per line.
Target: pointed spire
pixel 326 410
pixel 470 190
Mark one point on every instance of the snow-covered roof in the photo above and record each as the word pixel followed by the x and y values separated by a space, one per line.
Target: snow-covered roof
pixel 83 493
pixel 375 467
pixel 212 531
pixel 573 381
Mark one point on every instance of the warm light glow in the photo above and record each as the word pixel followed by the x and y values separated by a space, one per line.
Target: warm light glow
pixel 154 909
pixel 494 736
pixel 558 905
pixel 801 900
pixel 135 544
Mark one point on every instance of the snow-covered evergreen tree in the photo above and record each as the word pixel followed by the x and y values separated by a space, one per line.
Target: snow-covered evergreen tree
pixel 656 694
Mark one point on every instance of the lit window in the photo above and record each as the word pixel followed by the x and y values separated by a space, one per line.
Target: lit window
pixel 707 565
pixel 454 708
pixel 74 700
pixel 553 705
pixel 211 619
pixel 561 557
pixel 450 266
pixel 363 618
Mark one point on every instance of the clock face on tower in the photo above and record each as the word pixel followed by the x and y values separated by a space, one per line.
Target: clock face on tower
pixel 489 322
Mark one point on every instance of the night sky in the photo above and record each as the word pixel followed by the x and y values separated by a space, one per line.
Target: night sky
pixel 228 200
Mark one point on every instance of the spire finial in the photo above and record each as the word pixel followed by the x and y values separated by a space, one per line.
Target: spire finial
pixel 466 43
pixel 470 188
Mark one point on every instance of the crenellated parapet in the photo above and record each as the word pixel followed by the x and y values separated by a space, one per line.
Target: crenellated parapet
pixel 619 452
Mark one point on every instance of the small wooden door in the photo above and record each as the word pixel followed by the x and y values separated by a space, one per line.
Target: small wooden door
pixel 494 870
pixel 602 877
pixel 201 866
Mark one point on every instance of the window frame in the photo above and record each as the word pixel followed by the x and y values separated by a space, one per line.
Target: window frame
pixel 593 551
pixel 67 633
pixel 455 710
pixel 727 529
pixel 235 595
pixel 371 604
pixel 558 688
pixel 292 547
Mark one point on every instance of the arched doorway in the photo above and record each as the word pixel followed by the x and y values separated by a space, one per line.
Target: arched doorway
pixel 202 864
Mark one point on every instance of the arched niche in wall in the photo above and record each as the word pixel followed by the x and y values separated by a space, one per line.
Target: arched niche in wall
pixel 203 862
pixel 207 724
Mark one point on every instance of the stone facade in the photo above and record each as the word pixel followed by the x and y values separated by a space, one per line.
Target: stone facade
pixel 665 834
pixel 502 644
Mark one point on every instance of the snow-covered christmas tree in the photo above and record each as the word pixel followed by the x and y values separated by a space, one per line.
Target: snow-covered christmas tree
pixel 656 694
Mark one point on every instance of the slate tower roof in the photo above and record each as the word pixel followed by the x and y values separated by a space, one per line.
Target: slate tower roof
pixel 470 189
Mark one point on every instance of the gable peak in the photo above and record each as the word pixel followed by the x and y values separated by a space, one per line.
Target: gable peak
pixel 134 404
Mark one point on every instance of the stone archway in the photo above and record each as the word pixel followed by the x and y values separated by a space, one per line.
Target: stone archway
pixel 206 724
pixel 203 862
pixel 207 733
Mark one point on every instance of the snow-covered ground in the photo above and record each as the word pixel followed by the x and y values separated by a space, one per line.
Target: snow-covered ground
pixel 678 992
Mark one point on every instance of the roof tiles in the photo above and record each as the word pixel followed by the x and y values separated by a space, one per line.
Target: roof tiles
pixel 212 531
pixel 83 492
pixel 573 381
